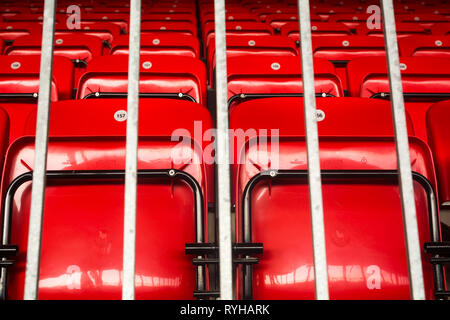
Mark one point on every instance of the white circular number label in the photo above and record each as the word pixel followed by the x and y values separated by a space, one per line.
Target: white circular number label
pixel 320 115
pixel 120 115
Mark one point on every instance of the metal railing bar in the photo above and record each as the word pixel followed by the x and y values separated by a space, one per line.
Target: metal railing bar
pixel 403 156
pixel 223 157
pixel 40 157
pixel 312 146
pixel 129 232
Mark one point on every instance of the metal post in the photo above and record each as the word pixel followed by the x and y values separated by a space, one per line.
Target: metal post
pixel 129 232
pixel 403 157
pixel 223 156
pixel 312 145
pixel 40 157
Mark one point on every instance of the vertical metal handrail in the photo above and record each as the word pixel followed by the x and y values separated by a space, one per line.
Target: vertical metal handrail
pixel 223 157
pixel 403 157
pixel 40 156
pixel 312 146
pixel 129 232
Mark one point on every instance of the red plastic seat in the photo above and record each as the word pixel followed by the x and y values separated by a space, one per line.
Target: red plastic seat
pixel 79 48
pixel 355 135
pixel 160 44
pixel 425 46
pixel 75 47
pixel 82 243
pixel 403 30
pixel 328 12
pixel 261 77
pixel 168 76
pixel 278 20
pixel 424 19
pixel 106 31
pixel 242 28
pixel 324 29
pixel 352 20
pixel 169 27
pixel 241 17
pixel 239 45
pixel 120 19
pixel 174 9
pixel 264 12
pixel 10 31
pixel 161 18
pixel 438 138
pixel 424 78
pixel 19 78
pixel 342 49
pixel 39 17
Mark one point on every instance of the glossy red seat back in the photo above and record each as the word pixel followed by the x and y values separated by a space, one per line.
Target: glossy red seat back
pixel 83 224
pixel 160 44
pixel 276 76
pixel 159 74
pixel 422 75
pixel 20 75
pixel 355 134
pixel 438 138
pixel 425 46
pixel 240 45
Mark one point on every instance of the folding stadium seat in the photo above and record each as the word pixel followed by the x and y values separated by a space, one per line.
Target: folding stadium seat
pixel 77 47
pixel 328 12
pixel 425 20
pixel 103 10
pixel 82 244
pixel 353 20
pixel 241 17
pixel 19 78
pixel 261 77
pixel 425 80
pixel 10 31
pixel 160 17
pixel 106 31
pixel 80 48
pixel 30 18
pixel 441 29
pixel 160 76
pixel 342 49
pixel 207 10
pixel 428 46
pixel 238 28
pixel 169 27
pixel 119 19
pixel 402 29
pixel 438 138
pixel 325 29
pixel 360 196
pixel 161 44
pixel 273 46
pixel 8 12
pixel 278 20
pixel 264 12
pixel 171 10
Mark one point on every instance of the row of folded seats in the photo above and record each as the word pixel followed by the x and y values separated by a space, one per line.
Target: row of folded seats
pixel 425 79
pixel 82 244
pixel 340 49
pixel 360 188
